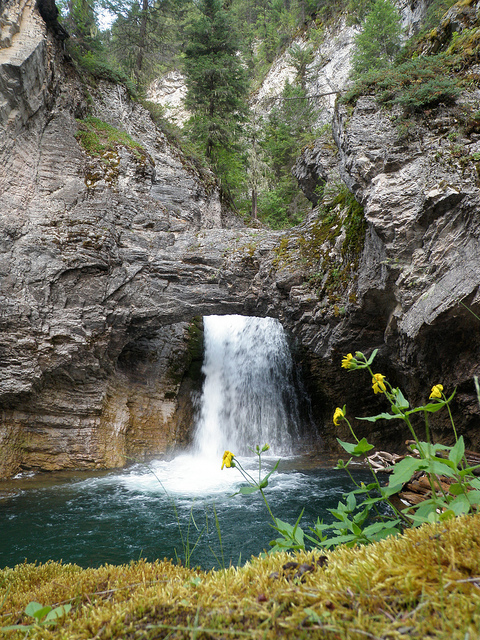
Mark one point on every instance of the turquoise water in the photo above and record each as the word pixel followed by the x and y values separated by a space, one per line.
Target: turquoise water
pixel 251 395
pixel 122 516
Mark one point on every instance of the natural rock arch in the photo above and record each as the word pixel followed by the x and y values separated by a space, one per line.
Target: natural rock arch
pixel 104 256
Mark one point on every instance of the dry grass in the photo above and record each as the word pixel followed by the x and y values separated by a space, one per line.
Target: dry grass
pixel 424 584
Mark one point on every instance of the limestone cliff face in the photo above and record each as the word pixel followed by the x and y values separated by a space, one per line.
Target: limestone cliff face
pixel 105 260
pixel 419 268
pixel 421 259
pixel 90 342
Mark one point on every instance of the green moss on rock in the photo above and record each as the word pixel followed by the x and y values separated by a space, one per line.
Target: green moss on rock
pixel 101 139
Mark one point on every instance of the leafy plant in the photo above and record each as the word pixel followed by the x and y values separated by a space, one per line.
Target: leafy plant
pixel 367 514
pixel 97 64
pixel 435 460
pixel 415 84
pixel 98 137
pixel 287 129
pixel 43 616
pixel 291 537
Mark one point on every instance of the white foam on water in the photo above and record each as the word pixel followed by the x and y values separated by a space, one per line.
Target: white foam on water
pixel 248 399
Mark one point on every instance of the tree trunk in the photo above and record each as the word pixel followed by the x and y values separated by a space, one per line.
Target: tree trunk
pixel 142 39
pixel 254 203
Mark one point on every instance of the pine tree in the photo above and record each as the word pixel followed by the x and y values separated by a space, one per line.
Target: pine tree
pixel 288 127
pixel 216 83
pixel 81 22
pixel 141 40
pixel 379 42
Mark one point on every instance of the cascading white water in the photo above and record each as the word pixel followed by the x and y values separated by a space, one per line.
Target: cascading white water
pixel 248 398
pixel 248 395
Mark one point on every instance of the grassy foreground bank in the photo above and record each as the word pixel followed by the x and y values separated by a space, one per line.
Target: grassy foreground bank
pixel 424 584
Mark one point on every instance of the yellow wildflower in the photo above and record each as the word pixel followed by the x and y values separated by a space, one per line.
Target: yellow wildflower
pixel 346 361
pixel 228 459
pixel 436 391
pixel 378 385
pixel 337 416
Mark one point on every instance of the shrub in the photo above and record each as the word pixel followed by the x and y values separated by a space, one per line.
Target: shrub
pixel 96 65
pixel 415 84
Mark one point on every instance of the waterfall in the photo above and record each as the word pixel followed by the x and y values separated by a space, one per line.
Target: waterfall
pixel 249 396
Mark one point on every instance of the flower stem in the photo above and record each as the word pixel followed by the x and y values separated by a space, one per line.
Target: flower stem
pixel 268 507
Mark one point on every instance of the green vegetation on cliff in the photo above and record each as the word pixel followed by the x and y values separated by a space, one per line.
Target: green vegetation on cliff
pixel 225 50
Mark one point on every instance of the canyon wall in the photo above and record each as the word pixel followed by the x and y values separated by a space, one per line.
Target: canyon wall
pixel 108 260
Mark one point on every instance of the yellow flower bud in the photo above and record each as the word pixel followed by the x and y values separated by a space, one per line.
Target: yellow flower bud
pixel 228 459
pixel 378 385
pixel 436 391
pixel 337 416
pixel 346 361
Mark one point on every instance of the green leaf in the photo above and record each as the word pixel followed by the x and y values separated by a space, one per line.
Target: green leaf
pixel 351 502
pixel 293 536
pixel 339 514
pixel 360 517
pixel 426 512
pixel 20 627
pixel 36 610
pixel 400 401
pixel 62 610
pixel 343 539
pixel 246 491
pixel 456 489
pixel 356 449
pixel 382 416
pixel 468 471
pixel 385 533
pixel 264 482
pixel 457 452
pixel 404 470
pixel 283 527
pixel 391 490
pixel 473 497
pixel 430 408
pixel 475 483
pixel 460 505
pixel 372 357
pixel 448 514
pixel 377 527
pixel 348 446
pixel 442 467
pixel 369 501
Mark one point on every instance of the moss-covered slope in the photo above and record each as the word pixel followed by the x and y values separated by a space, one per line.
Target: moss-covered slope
pixel 424 584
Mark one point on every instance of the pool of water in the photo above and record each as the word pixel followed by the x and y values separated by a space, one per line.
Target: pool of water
pixel 160 510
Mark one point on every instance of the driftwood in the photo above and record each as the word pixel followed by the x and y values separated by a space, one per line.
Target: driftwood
pixel 384 461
